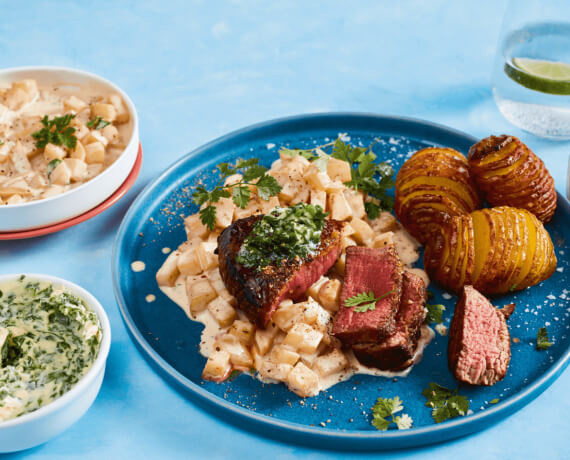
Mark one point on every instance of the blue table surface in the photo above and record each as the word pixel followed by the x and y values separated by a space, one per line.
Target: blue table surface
pixel 199 69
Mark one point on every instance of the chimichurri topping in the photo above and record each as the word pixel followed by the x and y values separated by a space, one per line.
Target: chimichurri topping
pixel 49 339
pixel 282 235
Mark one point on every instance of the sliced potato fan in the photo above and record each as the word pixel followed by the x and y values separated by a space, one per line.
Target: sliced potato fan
pixel 496 250
pixel 431 187
pixel 508 173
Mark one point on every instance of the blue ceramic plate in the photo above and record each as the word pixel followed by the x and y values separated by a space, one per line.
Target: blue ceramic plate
pixel 170 341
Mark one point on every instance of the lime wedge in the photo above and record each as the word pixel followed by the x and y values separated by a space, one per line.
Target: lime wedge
pixel 544 76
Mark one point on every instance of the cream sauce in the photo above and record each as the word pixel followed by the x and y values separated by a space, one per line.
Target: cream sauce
pixel 24 172
pixel 212 331
pixel 138 266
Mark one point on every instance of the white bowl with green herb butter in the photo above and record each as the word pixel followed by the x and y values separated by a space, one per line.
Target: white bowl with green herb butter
pixel 68 140
pixel 54 342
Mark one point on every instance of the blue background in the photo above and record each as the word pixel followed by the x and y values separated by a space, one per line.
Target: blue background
pixel 197 70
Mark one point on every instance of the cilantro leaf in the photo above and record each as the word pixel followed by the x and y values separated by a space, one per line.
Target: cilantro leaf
pixel 226 169
pixel 208 217
pixel 217 194
pixel 308 154
pixel 381 423
pixel 254 172
pixel 542 340
pixel 200 195
pixel 322 160
pixel 386 407
pixel 97 123
pixel 372 210
pixel 267 186
pixel 247 163
pixel 403 422
pixel 445 403
pixel 365 301
pixel 241 195
pixel 435 313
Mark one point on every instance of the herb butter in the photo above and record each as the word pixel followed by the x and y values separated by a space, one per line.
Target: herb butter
pixel 283 234
pixel 49 339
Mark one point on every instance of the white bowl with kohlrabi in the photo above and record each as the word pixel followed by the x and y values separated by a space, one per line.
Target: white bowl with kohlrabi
pixel 68 140
pixel 54 342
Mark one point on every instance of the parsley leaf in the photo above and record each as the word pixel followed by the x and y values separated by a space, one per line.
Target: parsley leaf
pixel 241 195
pixel 542 340
pixel 253 174
pixel 267 186
pixel 445 403
pixel 208 216
pixel 374 179
pixel 385 408
pixel 51 166
pixel 56 131
pixel 435 313
pixel 365 301
pixel 97 123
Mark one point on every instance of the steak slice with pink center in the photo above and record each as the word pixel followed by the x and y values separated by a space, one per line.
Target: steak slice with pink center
pixel 479 343
pixel 376 270
pixel 397 351
pixel 259 293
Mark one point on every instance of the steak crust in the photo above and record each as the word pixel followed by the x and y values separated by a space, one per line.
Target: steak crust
pixel 479 342
pixel 259 293
pixel 397 351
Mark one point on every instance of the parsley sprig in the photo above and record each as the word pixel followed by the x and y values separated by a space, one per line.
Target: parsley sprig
pixel 542 340
pixel 386 407
pixel 97 123
pixel 445 403
pixel 253 175
pixel 374 179
pixel 365 301
pixel 56 131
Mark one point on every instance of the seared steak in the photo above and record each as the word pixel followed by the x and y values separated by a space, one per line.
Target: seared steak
pixel 369 269
pixel 397 351
pixel 258 293
pixel 479 342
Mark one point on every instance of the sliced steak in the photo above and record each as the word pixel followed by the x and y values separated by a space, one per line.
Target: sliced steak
pixel 369 269
pixel 259 293
pixel 479 342
pixel 397 351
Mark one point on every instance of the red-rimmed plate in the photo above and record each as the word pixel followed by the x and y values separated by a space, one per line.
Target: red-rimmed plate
pixel 116 196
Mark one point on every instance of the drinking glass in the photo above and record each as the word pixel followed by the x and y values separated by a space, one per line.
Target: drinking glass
pixel 531 74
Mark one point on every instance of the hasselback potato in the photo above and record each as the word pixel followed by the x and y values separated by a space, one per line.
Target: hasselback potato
pixel 508 173
pixel 431 187
pixel 496 250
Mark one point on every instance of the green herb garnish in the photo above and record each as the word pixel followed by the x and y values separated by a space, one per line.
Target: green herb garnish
pixel 494 401
pixel 97 123
pixel 282 235
pixel 386 407
pixel 365 301
pixel 445 403
pixel 51 166
pixel 56 131
pixel 542 340
pixel 372 178
pixel 435 313
pixel 253 174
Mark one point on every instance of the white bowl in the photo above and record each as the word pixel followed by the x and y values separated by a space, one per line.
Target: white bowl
pixel 35 428
pixel 41 213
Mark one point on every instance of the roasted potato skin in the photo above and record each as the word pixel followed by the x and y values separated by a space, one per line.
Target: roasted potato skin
pixel 508 173
pixel 497 250
pixel 433 186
